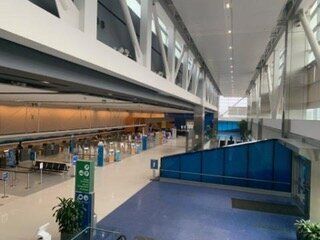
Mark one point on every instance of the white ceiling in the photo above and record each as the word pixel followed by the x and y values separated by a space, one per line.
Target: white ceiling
pixel 251 22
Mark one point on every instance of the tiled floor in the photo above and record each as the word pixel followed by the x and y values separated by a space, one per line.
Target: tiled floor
pixel 21 215
pixel 167 211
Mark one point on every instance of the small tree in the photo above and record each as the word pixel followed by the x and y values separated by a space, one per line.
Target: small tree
pixel 244 131
pixel 69 215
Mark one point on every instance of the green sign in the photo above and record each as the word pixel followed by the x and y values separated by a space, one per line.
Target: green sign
pixel 85 176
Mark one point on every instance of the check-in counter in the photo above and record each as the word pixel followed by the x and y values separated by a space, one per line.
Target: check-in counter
pixel 111 155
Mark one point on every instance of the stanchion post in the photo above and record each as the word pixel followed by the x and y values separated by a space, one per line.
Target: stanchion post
pixel 5 176
pixel 28 181
pixel 41 176
pixel 41 169
pixel 12 184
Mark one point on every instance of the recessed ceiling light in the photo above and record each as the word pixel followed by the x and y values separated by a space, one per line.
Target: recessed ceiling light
pixel 229 31
pixel 230 47
pixel 230 58
pixel 231 66
pixel 228 5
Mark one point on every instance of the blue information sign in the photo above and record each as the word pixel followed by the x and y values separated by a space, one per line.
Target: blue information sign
pixel 87 199
pixel 75 159
pixel 154 164
pixel 5 176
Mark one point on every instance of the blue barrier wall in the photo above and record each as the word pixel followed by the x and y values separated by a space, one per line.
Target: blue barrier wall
pixel 265 165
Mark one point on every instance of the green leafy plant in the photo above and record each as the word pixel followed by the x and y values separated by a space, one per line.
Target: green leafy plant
pixel 306 230
pixel 69 215
pixel 244 131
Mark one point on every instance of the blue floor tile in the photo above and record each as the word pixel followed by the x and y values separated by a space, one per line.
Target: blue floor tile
pixel 166 211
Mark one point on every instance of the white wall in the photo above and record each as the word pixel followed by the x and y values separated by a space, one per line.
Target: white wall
pixel 307 128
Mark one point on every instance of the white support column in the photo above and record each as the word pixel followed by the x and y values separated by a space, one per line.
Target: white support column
pixel 132 32
pixel 172 52
pixel 185 73
pixel 161 44
pixel 179 62
pixel 310 35
pixel 146 32
pixel 88 10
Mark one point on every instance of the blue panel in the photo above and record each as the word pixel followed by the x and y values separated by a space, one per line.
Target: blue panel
pixel 282 167
pixel 261 164
pixel 236 159
pixel 191 162
pixel 171 163
pixel 228 126
pixel 212 164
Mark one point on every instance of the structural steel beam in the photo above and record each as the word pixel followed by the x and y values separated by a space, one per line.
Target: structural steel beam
pixel 185 71
pixel 179 62
pixel 132 32
pixel 190 73
pixel 312 39
pixel 146 32
pixel 161 44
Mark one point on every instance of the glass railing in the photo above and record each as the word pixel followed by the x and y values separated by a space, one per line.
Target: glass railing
pixel 98 234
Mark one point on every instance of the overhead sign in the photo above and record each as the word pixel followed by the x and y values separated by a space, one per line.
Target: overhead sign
pixel 154 164
pixel 85 176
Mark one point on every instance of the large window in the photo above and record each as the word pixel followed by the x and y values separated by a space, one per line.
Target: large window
pixel 314 12
pixel 232 107
pixel 135 6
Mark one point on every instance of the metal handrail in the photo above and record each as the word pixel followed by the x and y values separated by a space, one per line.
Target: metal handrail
pixel 120 237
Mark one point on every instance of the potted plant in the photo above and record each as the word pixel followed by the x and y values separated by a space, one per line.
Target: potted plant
pixel 306 230
pixel 69 215
pixel 244 131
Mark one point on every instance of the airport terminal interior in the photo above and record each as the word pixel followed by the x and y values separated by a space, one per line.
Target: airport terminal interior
pixel 159 120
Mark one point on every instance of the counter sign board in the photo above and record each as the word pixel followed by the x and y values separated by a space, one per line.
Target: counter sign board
pixel 85 176
pixel 87 199
pixel 154 164
pixel 5 176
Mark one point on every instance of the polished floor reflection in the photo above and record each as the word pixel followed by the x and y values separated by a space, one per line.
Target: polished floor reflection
pixel 20 216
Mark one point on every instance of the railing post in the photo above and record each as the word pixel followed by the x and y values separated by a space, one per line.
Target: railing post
pixel 28 181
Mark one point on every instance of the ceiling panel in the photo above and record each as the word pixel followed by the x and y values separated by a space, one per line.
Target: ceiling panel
pixel 251 22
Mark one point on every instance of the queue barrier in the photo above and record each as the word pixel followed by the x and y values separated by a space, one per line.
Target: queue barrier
pixel 264 165
pixel 15 172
